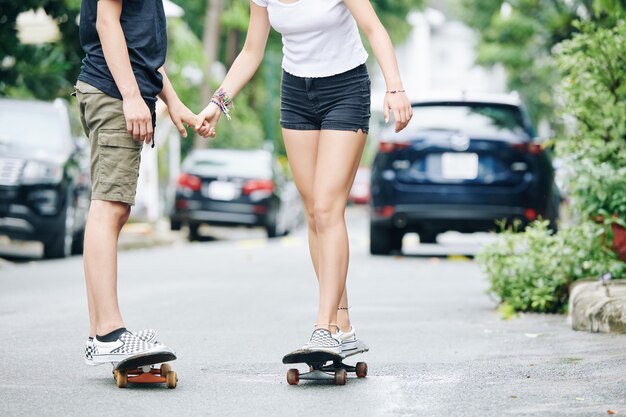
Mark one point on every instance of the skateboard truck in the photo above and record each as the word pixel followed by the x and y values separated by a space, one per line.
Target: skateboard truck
pixel 146 375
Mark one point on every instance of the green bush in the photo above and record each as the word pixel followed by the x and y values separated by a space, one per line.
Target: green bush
pixel 593 64
pixel 532 271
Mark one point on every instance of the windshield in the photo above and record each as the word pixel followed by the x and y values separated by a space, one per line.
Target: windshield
pixel 238 164
pixel 26 129
pixel 475 120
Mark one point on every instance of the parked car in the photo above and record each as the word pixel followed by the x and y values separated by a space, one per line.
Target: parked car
pixel 235 188
pixel 462 164
pixel 44 176
pixel 360 191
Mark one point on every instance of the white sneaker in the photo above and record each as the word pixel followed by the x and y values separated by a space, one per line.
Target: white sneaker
pixel 147 335
pixel 322 340
pixel 348 339
pixel 126 346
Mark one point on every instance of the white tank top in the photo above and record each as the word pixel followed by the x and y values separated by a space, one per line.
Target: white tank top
pixel 320 37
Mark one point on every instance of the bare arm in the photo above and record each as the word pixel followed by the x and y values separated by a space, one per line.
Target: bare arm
pixel 136 112
pixel 377 35
pixel 179 113
pixel 244 67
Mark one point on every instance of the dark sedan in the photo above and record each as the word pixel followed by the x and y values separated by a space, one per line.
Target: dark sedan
pixel 460 165
pixel 44 186
pixel 235 188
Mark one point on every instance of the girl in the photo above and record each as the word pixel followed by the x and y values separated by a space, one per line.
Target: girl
pixel 325 112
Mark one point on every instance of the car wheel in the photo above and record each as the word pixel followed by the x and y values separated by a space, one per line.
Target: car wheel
pixel 175 224
pixel 271 231
pixel 428 237
pixel 78 245
pixel 384 240
pixel 60 246
pixel 194 234
pixel 271 227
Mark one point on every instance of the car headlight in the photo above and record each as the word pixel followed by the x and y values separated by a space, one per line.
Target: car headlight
pixel 36 172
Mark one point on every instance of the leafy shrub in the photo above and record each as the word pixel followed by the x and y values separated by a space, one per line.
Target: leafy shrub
pixel 532 271
pixel 593 64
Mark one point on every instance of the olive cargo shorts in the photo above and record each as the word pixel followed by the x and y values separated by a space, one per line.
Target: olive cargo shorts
pixel 115 155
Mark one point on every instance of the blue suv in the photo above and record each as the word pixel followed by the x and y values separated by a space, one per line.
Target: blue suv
pixel 462 164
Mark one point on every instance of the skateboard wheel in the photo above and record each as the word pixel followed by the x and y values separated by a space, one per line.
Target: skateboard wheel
pixel 165 368
pixel 171 379
pixel 121 379
pixel 361 370
pixel 341 376
pixel 293 377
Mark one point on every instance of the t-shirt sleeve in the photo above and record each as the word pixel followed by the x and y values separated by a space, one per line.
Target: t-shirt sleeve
pixel 262 3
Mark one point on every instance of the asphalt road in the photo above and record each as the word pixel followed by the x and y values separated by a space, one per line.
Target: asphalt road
pixel 232 308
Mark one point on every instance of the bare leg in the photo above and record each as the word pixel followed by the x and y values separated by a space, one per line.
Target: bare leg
pixel 301 146
pixel 302 151
pixel 338 156
pixel 104 222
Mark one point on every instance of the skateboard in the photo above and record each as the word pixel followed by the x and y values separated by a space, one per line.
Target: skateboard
pixel 325 366
pixel 141 369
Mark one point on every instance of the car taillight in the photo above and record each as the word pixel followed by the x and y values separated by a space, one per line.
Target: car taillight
pixel 388 147
pixel 530 214
pixel 531 148
pixel 190 181
pixel 257 185
pixel 384 211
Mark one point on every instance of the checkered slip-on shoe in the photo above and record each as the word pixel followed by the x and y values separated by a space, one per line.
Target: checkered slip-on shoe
pixel 322 340
pixel 147 335
pixel 126 346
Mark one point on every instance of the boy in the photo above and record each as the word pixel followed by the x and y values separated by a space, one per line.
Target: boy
pixel 125 44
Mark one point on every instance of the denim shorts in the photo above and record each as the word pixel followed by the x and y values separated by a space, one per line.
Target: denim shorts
pixel 338 102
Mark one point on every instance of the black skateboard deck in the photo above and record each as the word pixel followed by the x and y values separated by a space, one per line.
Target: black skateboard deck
pixel 325 366
pixel 141 369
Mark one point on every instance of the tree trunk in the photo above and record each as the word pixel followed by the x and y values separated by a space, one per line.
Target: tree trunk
pixel 210 42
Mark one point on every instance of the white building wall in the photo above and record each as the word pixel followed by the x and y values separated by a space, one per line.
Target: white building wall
pixel 439 55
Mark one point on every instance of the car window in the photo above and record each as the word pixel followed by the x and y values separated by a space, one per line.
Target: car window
pixel 34 130
pixel 239 164
pixel 476 120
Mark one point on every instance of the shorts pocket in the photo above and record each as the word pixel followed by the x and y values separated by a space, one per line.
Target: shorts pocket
pixel 84 88
pixel 119 156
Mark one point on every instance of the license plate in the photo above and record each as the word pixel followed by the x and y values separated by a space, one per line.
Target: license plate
pixel 459 166
pixel 221 190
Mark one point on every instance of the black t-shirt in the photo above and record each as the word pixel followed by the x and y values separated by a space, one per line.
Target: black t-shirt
pixel 143 23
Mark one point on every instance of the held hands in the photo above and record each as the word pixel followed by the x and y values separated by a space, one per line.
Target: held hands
pixel 398 104
pixel 181 116
pixel 207 120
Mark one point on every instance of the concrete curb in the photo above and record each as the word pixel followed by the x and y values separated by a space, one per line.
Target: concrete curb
pixel 597 307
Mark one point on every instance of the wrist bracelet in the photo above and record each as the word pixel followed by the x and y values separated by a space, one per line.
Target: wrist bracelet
pixel 222 100
pixel 395 91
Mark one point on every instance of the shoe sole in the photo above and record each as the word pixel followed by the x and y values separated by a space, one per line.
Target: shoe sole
pixel 119 357
pixel 334 351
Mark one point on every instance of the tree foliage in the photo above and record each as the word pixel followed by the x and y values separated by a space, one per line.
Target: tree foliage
pixel 521 35
pixel 41 71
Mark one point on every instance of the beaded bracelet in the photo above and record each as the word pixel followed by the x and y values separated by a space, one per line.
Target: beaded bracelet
pixel 222 100
pixel 395 91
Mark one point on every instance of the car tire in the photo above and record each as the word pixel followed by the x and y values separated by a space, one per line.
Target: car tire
pixel 60 246
pixel 271 227
pixel 384 240
pixel 428 237
pixel 78 245
pixel 175 225
pixel 271 231
pixel 194 232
